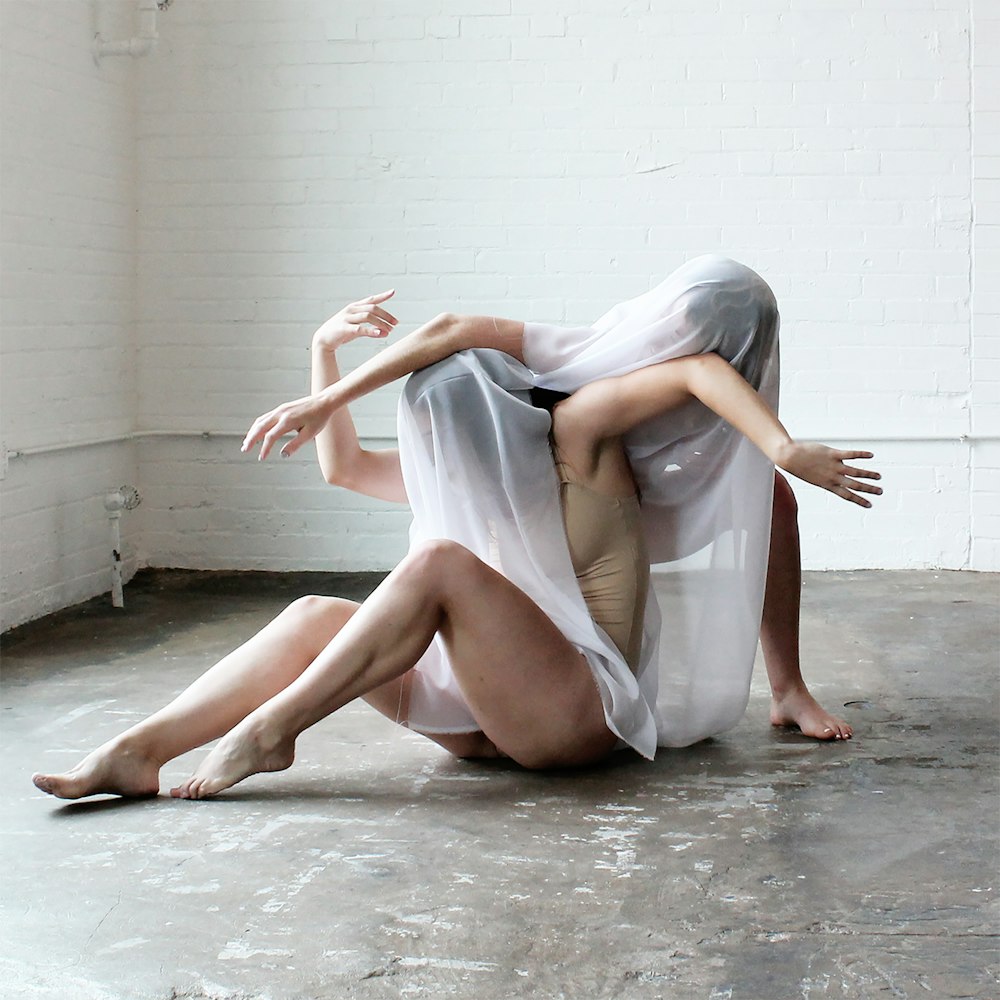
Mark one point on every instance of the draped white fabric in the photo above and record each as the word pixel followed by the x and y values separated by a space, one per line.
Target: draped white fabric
pixel 478 470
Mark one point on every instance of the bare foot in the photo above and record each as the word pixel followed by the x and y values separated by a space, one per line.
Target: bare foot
pixel 251 747
pixel 112 769
pixel 799 708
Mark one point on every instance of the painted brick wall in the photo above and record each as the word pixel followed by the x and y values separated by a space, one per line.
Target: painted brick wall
pixel 545 160
pixel 536 160
pixel 985 499
pixel 67 257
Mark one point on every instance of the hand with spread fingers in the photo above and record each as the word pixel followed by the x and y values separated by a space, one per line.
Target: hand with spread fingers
pixel 307 416
pixel 365 318
pixel 827 468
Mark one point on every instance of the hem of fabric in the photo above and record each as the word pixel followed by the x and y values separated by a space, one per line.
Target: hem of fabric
pixel 598 672
pixel 442 730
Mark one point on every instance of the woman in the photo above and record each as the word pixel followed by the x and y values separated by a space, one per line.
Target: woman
pixel 512 662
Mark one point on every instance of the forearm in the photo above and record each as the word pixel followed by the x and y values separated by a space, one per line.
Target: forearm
pixel 724 391
pixel 314 415
pixel 611 407
pixel 337 444
pixel 424 346
pixel 434 341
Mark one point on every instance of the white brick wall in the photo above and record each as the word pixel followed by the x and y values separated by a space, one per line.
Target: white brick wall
pixel 544 160
pixel 67 257
pixel 206 505
pixel 985 484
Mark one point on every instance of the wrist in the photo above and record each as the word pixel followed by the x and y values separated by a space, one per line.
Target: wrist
pixel 329 398
pixel 782 452
pixel 325 344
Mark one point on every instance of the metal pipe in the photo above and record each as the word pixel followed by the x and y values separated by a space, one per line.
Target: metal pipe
pixel 124 498
pixel 46 449
pixel 143 42
pixel 113 504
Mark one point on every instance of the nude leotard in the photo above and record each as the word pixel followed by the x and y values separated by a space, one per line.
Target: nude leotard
pixel 608 552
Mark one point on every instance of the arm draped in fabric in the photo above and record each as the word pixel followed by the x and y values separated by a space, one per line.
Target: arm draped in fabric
pixel 443 336
pixel 608 408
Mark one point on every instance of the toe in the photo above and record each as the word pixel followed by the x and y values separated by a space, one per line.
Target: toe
pixel 182 791
pixel 43 782
pixel 210 786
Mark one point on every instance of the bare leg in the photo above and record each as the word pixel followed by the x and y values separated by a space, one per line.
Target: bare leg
pixel 791 702
pixel 529 688
pixel 211 706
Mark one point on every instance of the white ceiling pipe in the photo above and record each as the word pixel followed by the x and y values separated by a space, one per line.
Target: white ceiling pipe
pixel 143 42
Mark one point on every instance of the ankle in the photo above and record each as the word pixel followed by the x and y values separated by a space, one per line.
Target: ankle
pixel 788 689
pixel 269 730
pixel 137 747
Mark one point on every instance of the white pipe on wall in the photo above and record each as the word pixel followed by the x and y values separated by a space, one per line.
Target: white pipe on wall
pixel 113 504
pixel 124 498
pixel 143 42
pixel 46 449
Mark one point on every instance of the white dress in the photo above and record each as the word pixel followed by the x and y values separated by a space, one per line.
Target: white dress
pixel 478 470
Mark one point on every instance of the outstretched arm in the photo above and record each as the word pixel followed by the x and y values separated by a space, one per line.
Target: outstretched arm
pixel 609 408
pixel 441 337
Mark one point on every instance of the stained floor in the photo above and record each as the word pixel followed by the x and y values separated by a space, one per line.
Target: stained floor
pixel 756 866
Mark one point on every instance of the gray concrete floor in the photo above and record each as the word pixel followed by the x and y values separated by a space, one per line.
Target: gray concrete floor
pixel 757 866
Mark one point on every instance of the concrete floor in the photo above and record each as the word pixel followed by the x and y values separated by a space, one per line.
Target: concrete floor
pixel 757 866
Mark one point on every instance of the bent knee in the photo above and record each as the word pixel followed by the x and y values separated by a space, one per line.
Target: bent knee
pixel 313 606
pixel 439 557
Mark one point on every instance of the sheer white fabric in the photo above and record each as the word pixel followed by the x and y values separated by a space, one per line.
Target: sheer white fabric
pixel 478 470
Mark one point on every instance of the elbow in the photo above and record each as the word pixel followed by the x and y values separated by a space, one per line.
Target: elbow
pixel 333 477
pixel 338 475
pixel 701 371
pixel 444 323
pixel 707 362
pixel 452 330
